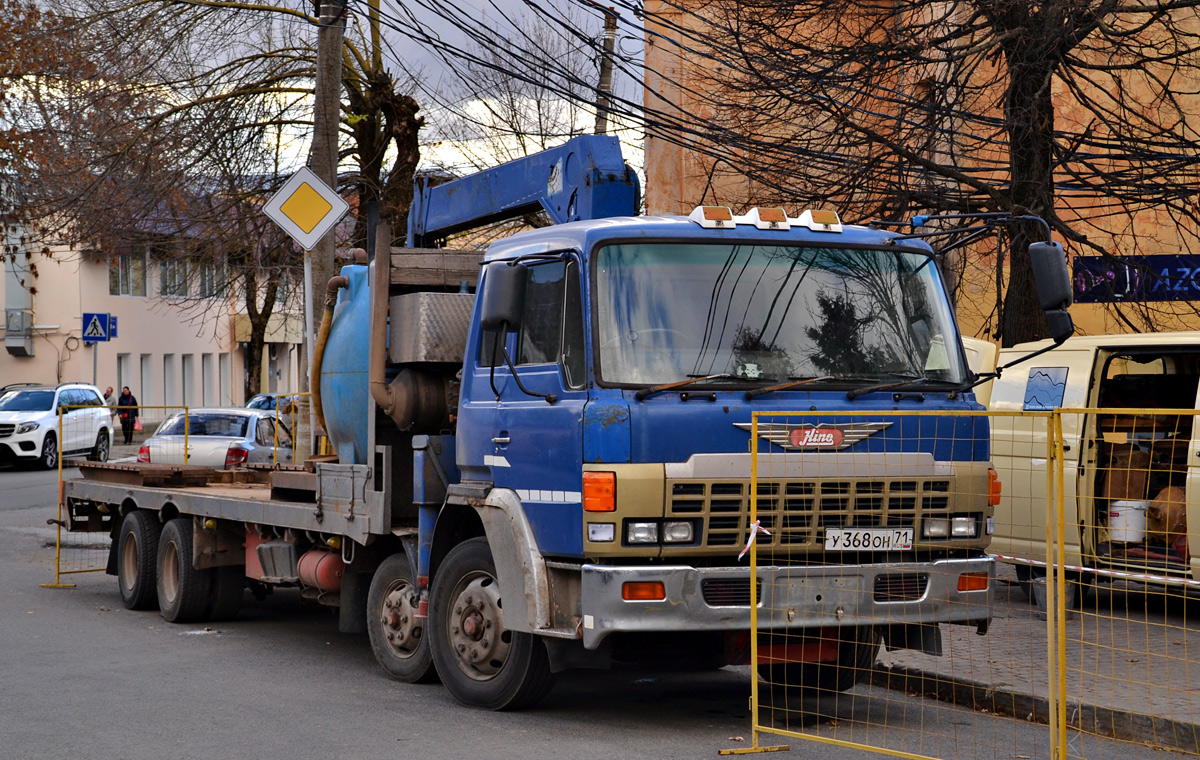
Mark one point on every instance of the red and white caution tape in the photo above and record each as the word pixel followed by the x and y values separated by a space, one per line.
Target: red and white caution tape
pixel 755 529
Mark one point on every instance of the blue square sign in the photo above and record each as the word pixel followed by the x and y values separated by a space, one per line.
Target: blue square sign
pixel 95 327
pixel 112 327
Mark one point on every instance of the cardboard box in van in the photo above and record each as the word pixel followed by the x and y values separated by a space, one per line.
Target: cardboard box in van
pixel 1131 494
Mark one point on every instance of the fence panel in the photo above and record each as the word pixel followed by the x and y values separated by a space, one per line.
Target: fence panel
pixel 874 590
pixel 1129 608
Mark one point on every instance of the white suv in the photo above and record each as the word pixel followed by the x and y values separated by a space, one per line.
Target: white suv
pixel 29 423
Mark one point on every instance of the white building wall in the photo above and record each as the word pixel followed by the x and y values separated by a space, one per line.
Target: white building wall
pixel 159 341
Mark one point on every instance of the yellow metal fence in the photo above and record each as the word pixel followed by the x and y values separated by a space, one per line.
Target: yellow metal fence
pixel 1077 644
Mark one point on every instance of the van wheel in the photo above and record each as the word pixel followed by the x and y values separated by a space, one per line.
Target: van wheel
pixel 137 555
pixel 100 450
pixel 482 663
pixel 398 638
pixel 183 591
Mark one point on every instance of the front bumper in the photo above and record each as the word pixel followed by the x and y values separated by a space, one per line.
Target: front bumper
pixel 24 446
pixel 788 597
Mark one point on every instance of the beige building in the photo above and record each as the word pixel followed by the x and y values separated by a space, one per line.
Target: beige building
pixel 175 345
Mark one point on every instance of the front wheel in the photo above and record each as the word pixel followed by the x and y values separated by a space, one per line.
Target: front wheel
pixel 856 652
pixel 48 460
pixel 397 635
pixel 482 663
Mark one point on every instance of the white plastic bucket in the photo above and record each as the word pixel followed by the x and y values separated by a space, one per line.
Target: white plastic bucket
pixel 1127 522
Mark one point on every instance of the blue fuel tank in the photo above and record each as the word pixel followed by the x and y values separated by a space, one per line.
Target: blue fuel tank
pixel 344 392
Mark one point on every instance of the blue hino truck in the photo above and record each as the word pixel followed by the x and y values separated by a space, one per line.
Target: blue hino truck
pixel 543 457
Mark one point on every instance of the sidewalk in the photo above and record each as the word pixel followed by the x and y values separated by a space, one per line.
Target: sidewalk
pixel 1129 668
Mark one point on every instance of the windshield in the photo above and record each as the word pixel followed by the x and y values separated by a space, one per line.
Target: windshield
pixel 224 425
pixel 669 311
pixel 27 401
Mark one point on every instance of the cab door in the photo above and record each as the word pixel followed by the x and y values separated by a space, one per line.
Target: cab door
pixel 538 443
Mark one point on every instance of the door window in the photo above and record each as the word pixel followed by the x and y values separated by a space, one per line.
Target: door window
pixel 552 324
pixel 266 435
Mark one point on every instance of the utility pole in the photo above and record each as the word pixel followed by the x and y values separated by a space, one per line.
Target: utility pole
pixel 319 264
pixel 604 90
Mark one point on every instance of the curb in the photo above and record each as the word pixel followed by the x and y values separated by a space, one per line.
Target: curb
pixel 1158 732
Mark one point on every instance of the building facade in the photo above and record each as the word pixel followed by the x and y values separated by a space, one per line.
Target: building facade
pixel 180 331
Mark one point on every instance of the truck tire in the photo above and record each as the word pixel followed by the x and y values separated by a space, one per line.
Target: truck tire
pixel 183 591
pixel 481 663
pixel 137 559
pixel 397 637
pixel 857 649
pixel 228 587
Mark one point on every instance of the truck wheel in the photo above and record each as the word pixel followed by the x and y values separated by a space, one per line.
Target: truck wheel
pixel 228 588
pixel 397 637
pixel 857 648
pixel 183 591
pixel 137 553
pixel 482 663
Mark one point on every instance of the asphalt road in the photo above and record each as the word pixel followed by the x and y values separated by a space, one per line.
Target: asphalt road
pixel 84 678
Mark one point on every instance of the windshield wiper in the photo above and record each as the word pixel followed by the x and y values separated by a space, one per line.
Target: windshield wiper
pixel 796 382
pixel 645 393
pixel 893 385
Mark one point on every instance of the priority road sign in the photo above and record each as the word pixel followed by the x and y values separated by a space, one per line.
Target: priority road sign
pixel 306 208
pixel 95 327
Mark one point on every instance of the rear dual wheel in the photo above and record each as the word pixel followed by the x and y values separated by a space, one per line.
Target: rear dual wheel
pixel 188 595
pixel 137 555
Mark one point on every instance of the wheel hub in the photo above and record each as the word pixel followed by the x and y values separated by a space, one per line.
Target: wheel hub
pixel 477 636
pixel 399 618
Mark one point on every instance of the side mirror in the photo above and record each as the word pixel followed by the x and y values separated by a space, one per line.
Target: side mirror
pixel 1050 275
pixel 1053 283
pixel 503 296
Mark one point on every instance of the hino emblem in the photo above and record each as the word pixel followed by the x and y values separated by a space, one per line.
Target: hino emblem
pixel 815 437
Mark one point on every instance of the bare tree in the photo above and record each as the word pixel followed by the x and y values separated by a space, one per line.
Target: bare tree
pixel 1082 112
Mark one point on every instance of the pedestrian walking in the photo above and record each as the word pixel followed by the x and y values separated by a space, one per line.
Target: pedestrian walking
pixel 127 406
pixel 110 400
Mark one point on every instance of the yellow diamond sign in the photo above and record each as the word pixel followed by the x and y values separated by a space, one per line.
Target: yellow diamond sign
pixel 306 208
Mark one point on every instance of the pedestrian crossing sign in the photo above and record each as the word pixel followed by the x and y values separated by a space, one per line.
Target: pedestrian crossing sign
pixel 95 327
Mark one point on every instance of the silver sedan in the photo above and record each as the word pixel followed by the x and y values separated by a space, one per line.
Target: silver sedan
pixel 224 438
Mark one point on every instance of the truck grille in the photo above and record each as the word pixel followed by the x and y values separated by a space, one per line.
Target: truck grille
pixel 900 587
pixel 7 429
pixel 797 512
pixel 728 592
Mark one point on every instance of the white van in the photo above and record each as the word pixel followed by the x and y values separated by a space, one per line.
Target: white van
pixel 1131 494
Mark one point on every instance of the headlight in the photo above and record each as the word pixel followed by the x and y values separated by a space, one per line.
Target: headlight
pixel 963 527
pixel 677 532
pixel 26 427
pixel 641 532
pixel 936 528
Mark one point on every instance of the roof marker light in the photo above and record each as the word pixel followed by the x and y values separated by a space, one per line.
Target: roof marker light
pixel 712 217
pixel 766 219
pixel 820 221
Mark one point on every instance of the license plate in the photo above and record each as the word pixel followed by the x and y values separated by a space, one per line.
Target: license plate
pixel 868 539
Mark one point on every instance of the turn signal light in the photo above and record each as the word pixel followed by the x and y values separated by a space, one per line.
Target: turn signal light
pixel 973 582
pixel 599 492
pixel 993 488
pixel 646 591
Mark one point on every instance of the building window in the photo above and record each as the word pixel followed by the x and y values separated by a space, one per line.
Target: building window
pixel 127 275
pixel 173 278
pixel 211 279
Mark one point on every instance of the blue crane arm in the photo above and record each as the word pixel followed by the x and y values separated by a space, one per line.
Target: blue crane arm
pixel 584 178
